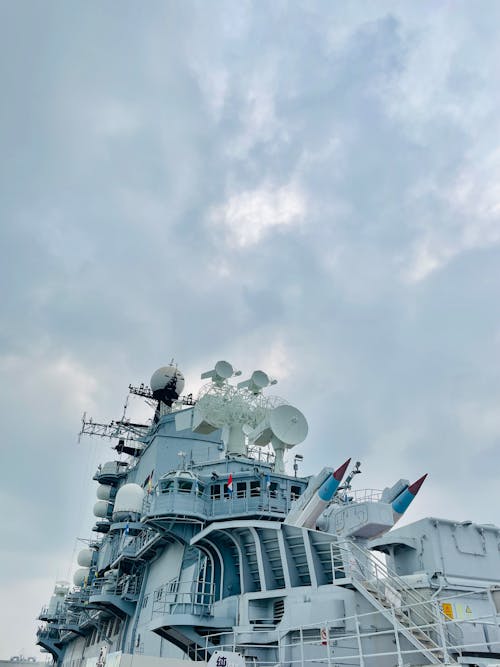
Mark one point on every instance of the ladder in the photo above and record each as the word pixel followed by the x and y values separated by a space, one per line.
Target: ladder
pixel 413 616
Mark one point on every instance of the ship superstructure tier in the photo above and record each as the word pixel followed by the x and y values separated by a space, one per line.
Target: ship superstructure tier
pixel 205 549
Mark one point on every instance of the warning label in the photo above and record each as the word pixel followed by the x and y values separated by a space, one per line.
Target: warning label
pixel 447 609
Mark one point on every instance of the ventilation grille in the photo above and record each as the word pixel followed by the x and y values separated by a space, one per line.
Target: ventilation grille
pixel 278 611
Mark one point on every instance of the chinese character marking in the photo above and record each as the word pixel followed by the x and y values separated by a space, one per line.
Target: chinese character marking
pixel 221 661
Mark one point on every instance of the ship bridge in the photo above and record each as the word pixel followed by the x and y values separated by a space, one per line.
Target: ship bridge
pixel 223 495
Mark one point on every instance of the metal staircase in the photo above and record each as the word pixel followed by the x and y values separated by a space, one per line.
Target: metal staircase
pixel 413 616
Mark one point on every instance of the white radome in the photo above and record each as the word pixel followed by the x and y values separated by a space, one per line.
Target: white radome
pixel 128 500
pixel 104 491
pixel 85 557
pixel 101 509
pixel 80 575
pixel 164 375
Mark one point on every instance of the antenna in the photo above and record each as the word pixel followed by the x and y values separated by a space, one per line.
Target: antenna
pixel 257 382
pixel 221 373
pixel 285 427
pixel 347 483
pixel 296 459
pixel 182 456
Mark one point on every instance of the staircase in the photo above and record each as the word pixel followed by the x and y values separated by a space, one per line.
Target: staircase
pixel 413 616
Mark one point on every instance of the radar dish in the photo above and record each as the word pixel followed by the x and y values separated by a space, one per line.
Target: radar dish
pixel 221 373
pixel 223 370
pixel 257 382
pixel 288 425
pixel 259 379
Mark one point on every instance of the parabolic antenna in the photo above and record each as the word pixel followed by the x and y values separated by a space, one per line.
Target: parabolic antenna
pixel 285 427
pixel 221 373
pixel 257 382
pixel 288 425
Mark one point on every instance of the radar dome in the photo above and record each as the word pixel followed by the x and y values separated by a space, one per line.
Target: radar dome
pixel 128 501
pixel 104 491
pixel 167 384
pixel 101 509
pixel 80 576
pixel 85 557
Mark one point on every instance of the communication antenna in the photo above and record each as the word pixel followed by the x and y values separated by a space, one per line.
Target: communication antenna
pixel 284 427
pixel 257 382
pixel 296 459
pixel 182 456
pixel 221 373
pixel 346 486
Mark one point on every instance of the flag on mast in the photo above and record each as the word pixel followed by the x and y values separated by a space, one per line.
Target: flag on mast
pixel 230 484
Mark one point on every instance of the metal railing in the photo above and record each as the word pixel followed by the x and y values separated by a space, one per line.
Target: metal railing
pixel 409 608
pixel 136 544
pixel 127 586
pixel 205 506
pixel 344 640
pixel 364 495
pixel 184 597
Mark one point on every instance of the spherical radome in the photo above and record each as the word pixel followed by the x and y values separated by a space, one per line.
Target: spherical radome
pixel 85 557
pixel 101 509
pixel 128 500
pixel 104 491
pixel 80 575
pixel 161 378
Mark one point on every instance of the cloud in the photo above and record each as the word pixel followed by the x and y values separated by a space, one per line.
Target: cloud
pixel 249 216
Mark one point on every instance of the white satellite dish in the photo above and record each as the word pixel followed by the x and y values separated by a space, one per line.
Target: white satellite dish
pixel 221 373
pixel 288 424
pixel 284 427
pixel 257 382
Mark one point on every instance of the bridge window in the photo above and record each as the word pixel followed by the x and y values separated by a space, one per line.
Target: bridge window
pixel 185 485
pixel 241 489
pixel 215 492
pixel 254 489
pixel 295 492
pixel 273 489
pixel 167 485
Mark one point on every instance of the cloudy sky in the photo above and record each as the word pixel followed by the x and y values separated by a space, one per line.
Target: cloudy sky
pixel 311 188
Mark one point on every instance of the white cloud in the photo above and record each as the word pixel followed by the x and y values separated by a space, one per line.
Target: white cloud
pixel 472 205
pixel 50 383
pixel 249 216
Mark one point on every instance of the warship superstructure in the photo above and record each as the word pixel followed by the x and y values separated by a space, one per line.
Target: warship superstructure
pixel 206 551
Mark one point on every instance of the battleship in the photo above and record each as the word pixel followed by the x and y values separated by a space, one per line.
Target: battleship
pixel 209 548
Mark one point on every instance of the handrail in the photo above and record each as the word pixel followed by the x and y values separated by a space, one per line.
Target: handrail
pixel 127 585
pixel 376 576
pixel 198 598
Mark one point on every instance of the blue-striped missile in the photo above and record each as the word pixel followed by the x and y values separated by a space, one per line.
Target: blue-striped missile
pixel 401 503
pixel 312 509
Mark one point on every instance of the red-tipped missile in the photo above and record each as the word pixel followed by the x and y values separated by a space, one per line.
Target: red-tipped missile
pixel 340 472
pixel 313 508
pixel 415 487
pixel 327 490
pixel 402 502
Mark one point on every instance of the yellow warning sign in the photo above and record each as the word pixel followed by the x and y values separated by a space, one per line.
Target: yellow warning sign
pixel 468 610
pixel 447 609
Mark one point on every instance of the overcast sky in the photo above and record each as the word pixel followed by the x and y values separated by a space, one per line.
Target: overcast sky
pixel 310 188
